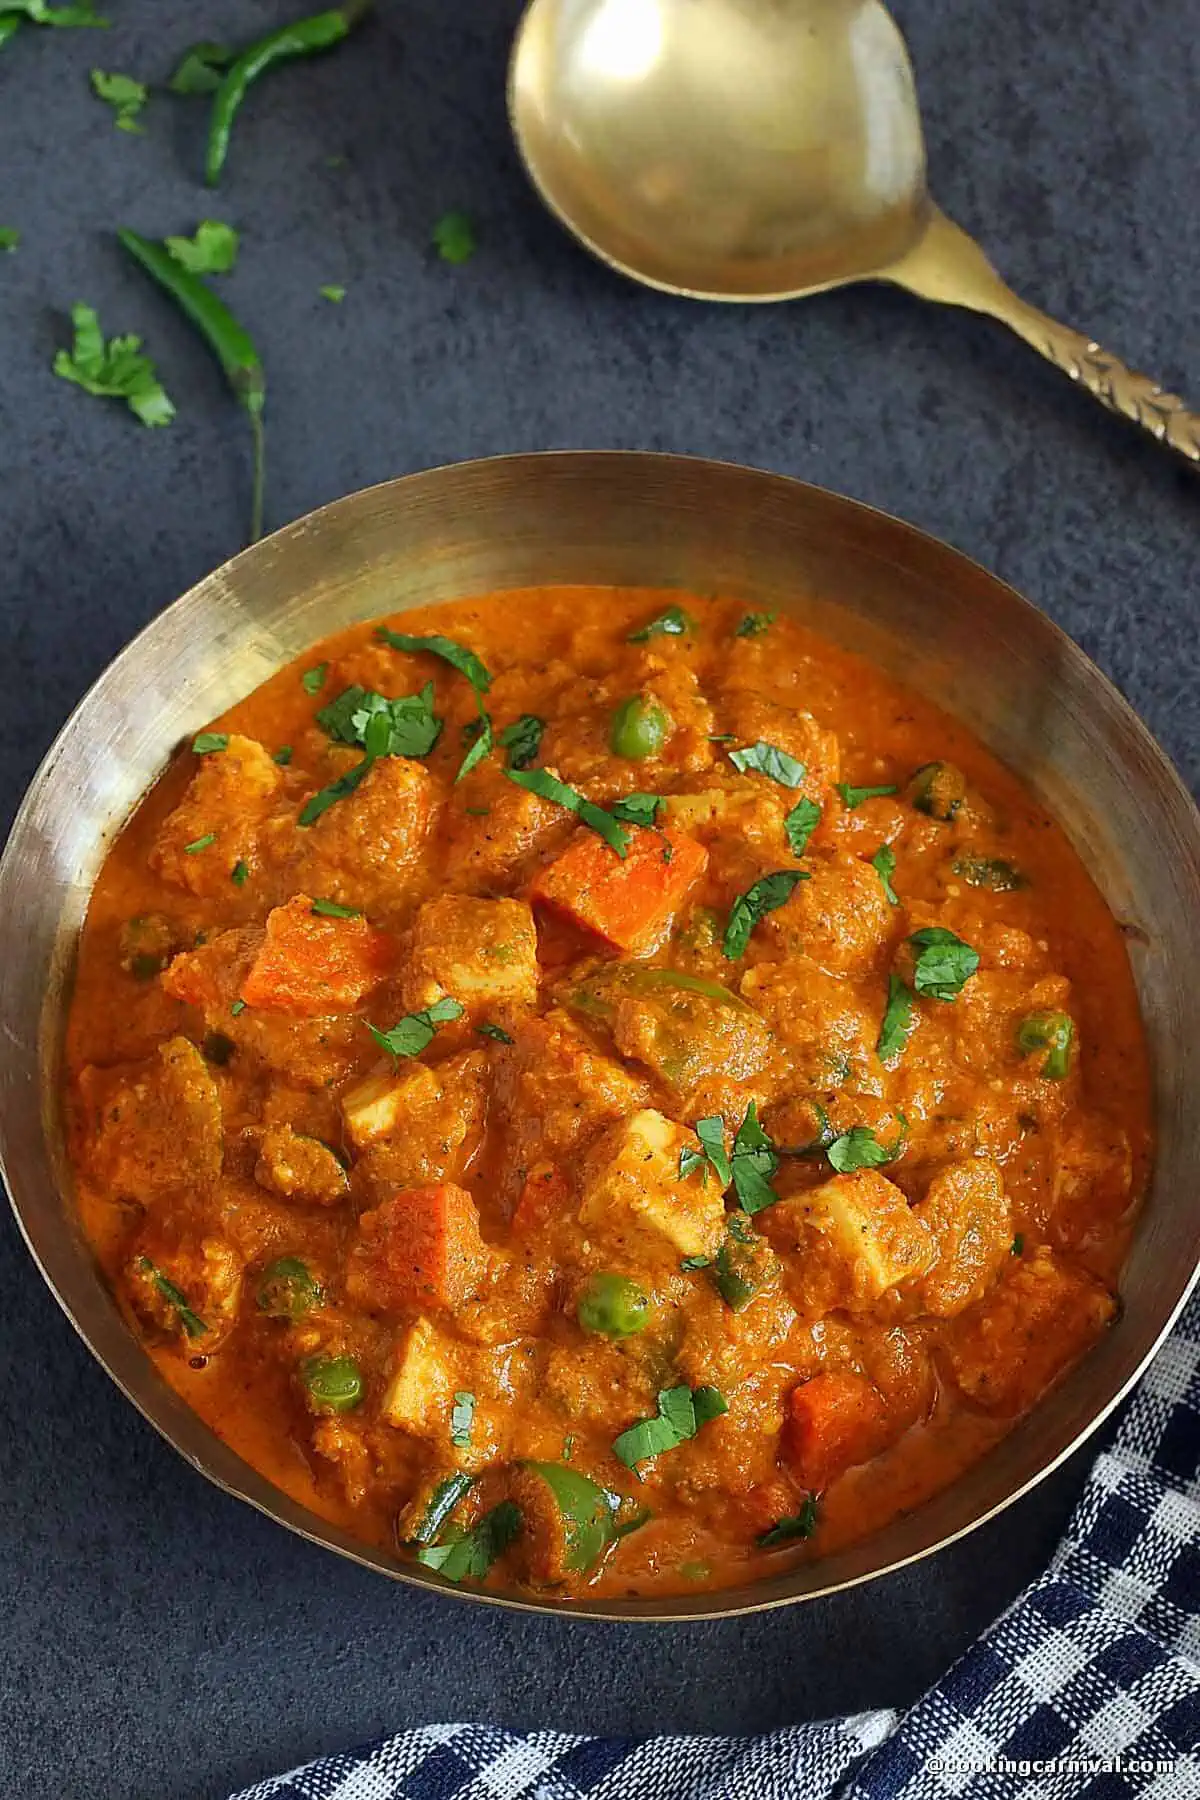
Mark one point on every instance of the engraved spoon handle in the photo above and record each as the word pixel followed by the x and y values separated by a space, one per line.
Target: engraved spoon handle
pixel 948 266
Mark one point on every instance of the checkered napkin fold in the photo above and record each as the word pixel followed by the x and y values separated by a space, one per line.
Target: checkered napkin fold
pixel 1089 1685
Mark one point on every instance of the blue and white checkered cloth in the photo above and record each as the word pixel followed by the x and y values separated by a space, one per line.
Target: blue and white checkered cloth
pixel 1089 1685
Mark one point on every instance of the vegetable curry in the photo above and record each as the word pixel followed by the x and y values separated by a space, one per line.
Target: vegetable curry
pixel 601 1091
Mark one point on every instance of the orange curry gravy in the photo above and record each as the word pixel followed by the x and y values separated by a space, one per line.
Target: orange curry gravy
pixel 427 1287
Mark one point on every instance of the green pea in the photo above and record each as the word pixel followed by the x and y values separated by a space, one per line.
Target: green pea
pixel 639 728
pixel 287 1289
pixel 334 1383
pixel 613 1306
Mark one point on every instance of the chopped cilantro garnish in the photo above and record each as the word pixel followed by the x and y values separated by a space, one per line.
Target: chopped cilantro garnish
pixel 462 1417
pixel 854 796
pixel 495 1032
pixel 117 369
pixel 413 728
pixel 798 1525
pixel 755 623
pixel 211 251
pixel 239 874
pixel 549 787
pixel 771 761
pixel 672 623
pixel 192 1324
pixel 416 1031
pixel 754 1162
pixel 766 895
pixel 454 237
pixel 1018 1244
pixel 126 96
pixel 688 1263
pixel 859 1148
pixel 200 843
pixel 457 655
pixel 942 963
pixel 472 1555
pixel 313 680
pixel 639 809
pixel 210 743
pixel 800 824
pixel 283 755
pixel 681 1413
pixel 330 909
pixel 239 1006
pixel 522 739
pixel 884 864
pixel 897 1020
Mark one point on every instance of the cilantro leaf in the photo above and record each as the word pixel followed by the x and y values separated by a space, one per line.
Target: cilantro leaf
pixel 689 1161
pixel 200 843
pixel 767 894
pixel 325 797
pixel 283 755
pixel 480 748
pixel 454 237
pixel 771 761
pixel 126 96
pixel 755 623
pixel 240 873
pixel 672 623
pixel 412 725
pixel 942 962
pixel 193 1325
pixel 211 251
pixel 200 69
pixel 754 1162
pixel 10 237
pixel 884 864
pixel 462 1417
pixel 681 1413
pixel 549 787
pixel 416 1031
pixel 522 739
pixel 457 655
pixel 638 809
pixel 800 824
pixel 472 1555
pixel 332 292
pixel 331 909
pixel 495 1032
pixel 797 1525
pixel 859 1148
pixel 116 369
pixel 313 680
pixel 688 1263
pixel 711 1133
pixel 854 796
pixel 210 743
pixel 897 1021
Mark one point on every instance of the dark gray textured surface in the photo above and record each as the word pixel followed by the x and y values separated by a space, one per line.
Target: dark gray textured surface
pixel 159 1640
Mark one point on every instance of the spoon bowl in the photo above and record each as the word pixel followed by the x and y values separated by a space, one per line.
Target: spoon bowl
pixel 632 120
pixel 763 150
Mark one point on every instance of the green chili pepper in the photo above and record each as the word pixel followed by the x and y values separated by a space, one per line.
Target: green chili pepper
pixel 586 1511
pixel 303 37
pixel 287 1289
pixel 334 1383
pixel 1053 1032
pixel 229 342
pixel 613 1306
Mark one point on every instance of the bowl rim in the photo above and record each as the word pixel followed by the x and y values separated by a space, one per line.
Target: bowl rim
pixel 275 1503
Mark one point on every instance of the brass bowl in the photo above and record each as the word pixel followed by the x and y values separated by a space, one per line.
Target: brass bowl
pixel 921 610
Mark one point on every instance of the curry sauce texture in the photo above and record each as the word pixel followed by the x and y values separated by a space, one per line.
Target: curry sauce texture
pixel 602 1092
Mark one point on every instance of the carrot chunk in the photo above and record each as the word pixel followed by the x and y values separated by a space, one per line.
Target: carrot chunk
pixel 312 964
pixel 628 902
pixel 420 1248
pixel 834 1421
pixel 543 1197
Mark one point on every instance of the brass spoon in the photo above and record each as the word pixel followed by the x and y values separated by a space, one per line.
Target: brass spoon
pixel 761 150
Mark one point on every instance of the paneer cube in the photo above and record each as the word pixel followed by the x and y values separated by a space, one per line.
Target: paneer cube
pixel 632 1191
pixel 217 823
pixel 628 903
pixel 154 1128
pixel 420 1249
pixel 188 1291
pixel 483 953
pixel 299 1168
pixel 1005 1351
pixel 374 1108
pixel 311 964
pixel 364 850
pixel 860 1237
pixel 968 1213
pixel 428 1372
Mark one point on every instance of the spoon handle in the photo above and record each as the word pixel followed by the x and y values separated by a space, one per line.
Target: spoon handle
pixel 947 265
